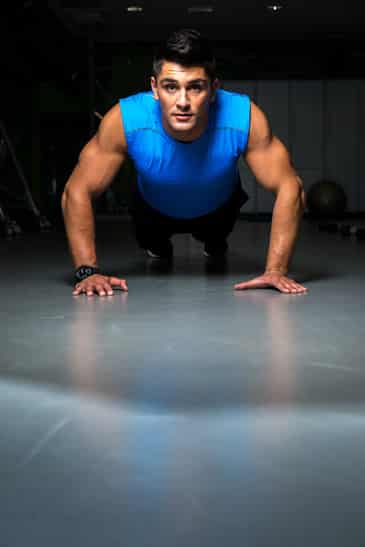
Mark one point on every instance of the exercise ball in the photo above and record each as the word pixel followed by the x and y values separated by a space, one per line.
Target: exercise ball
pixel 326 198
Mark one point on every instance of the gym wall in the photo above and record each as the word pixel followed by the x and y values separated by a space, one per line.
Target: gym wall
pixel 322 124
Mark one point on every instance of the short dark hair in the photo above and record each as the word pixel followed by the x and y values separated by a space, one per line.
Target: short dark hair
pixel 186 47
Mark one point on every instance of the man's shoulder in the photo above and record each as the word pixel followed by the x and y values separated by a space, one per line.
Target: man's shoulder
pixel 140 99
pixel 138 110
pixel 225 95
pixel 232 109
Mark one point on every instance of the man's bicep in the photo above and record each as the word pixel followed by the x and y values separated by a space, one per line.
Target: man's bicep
pixel 270 164
pixel 99 166
pixel 266 155
pixel 102 157
pixel 95 169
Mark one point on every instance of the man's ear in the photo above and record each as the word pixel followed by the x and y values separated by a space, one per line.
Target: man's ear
pixel 154 88
pixel 215 85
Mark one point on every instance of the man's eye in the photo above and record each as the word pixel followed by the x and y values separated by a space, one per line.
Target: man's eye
pixel 196 88
pixel 170 87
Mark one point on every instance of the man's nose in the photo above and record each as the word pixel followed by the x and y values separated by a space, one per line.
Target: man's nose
pixel 183 100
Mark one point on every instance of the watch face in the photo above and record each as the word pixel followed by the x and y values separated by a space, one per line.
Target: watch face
pixel 85 271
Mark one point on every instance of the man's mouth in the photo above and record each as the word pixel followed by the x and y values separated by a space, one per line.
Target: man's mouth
pixel 183 117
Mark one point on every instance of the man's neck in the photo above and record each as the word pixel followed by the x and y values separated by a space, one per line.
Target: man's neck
pixel 189 136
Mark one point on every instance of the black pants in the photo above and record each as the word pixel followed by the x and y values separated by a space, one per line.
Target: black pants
pixel 154 229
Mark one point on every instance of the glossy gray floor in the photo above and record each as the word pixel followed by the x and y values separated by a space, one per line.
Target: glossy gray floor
pixel 184 413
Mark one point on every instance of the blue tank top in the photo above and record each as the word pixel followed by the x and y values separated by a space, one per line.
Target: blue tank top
pixel 186 180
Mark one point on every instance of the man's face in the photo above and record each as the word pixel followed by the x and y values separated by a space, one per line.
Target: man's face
pixel 184 94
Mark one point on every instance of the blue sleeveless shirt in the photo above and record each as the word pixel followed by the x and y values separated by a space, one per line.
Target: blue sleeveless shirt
pixel 186 180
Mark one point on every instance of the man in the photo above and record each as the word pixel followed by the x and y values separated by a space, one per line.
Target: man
pixel 185 138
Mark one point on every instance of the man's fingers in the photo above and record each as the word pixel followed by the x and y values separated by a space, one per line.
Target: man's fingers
pixel 283 286
pixel 103 286
pixel 254 283
pixel 241 286
pixel 108 290
pixel 77 291
pixel 122 283
pixel 103 289
pixel 297 289
pixel 281 283
pixel 290 287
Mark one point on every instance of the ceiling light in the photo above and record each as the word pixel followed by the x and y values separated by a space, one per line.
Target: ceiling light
pixel 200 9
pixel 134 9
pixel 274 8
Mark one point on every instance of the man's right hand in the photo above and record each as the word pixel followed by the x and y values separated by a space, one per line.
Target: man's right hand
pixel 102 285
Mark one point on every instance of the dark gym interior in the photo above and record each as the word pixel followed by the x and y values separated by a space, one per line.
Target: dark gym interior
pixel 248 406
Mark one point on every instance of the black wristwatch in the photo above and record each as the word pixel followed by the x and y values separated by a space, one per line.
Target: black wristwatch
pixel 85 271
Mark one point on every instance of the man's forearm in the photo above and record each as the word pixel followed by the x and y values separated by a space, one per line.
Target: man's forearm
pixel 80 228
pixel 287 213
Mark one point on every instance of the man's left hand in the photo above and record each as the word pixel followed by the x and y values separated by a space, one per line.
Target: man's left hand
pixel 277 280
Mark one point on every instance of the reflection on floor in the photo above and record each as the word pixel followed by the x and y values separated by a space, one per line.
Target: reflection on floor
pixel 182 413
